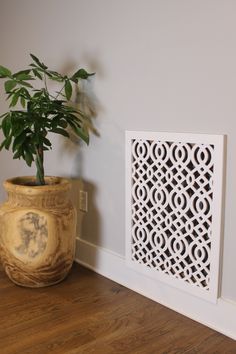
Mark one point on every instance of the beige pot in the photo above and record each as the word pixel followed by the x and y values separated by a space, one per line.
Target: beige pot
pixel 37 231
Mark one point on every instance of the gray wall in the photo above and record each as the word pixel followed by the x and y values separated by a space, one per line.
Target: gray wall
pixel 162 65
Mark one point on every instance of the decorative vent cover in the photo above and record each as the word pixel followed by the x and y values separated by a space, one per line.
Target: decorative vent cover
pixel 174 197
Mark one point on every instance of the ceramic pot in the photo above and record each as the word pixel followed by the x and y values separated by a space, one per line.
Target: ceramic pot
pixel 37 231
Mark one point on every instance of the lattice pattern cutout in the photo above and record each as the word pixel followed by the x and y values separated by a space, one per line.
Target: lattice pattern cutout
pixel 172 185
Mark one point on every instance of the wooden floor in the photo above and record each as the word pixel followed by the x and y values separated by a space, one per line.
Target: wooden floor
pixel 90 314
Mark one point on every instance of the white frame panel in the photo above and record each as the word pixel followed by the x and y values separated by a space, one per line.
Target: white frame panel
pixel 215 263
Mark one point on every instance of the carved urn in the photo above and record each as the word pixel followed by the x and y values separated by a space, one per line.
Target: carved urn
pixel 37 231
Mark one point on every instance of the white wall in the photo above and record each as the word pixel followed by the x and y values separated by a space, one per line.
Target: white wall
pixel 161 65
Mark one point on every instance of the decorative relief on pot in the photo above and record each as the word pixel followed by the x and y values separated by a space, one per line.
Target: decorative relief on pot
pixel 33 234
pixel 37 241
pixel 175 185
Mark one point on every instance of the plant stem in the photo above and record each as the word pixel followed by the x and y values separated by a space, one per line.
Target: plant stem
pixel 45 83
pixel 59 93
pixel 39 165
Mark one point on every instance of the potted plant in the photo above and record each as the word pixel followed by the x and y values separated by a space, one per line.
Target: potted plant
pixel 37 226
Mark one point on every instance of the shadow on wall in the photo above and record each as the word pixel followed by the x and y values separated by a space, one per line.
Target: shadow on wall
pixel 88 223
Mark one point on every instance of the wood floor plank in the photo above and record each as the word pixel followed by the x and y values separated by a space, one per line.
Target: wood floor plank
pixel 88 313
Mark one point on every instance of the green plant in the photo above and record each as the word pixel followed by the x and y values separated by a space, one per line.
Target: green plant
pixel 26 130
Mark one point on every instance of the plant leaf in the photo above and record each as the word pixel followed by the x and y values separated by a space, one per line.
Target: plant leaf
pixel 18 129
pixel 27 71
pixel 62 123
pixel 68 89
pixel 8 142
pixel 9 85
pixel 22 101
pixel 36 60
pixel 28 158
pixel 37 74
pixel 6 125
pixel 2 144
pixel 56 76
pixel 4 72
pixel 47 142
pixel 60 131
pixel 81 74
pixel 23 76
pixel 24 93
pixel 14 100
pixel 18 141
pixel 23 83
pixel 18 154
pixel 4 114
pixel 82 133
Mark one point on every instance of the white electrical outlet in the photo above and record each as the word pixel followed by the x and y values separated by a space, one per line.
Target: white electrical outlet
pixel 83 201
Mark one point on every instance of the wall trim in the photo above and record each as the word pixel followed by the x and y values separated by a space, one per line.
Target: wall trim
pixel 220 316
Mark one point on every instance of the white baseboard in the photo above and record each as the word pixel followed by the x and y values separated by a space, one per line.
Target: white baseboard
pixel 220 316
